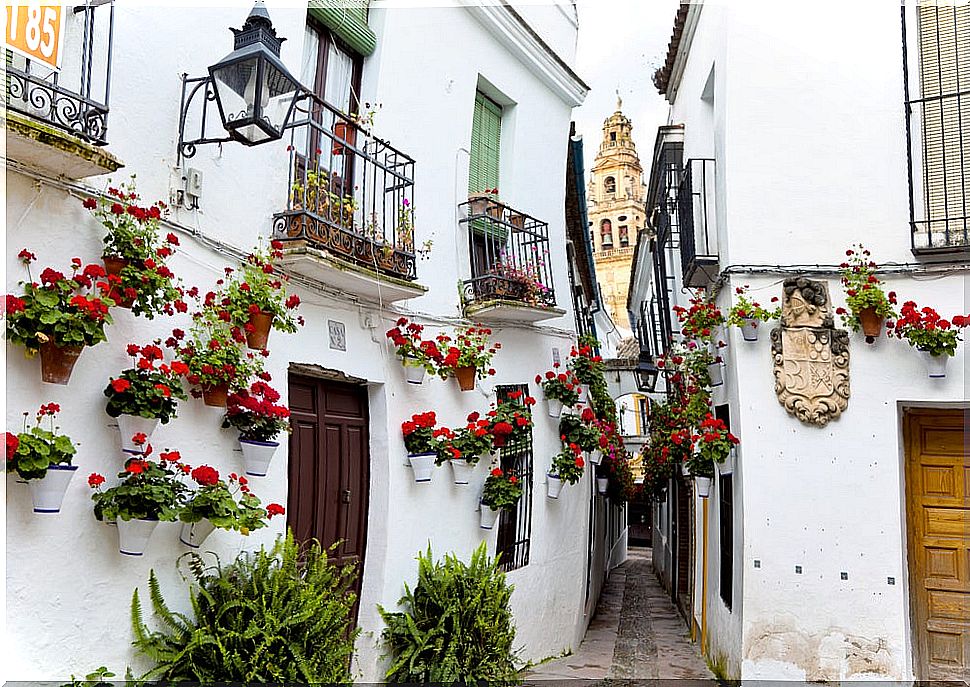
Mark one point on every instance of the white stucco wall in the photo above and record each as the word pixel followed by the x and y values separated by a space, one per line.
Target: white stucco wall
pixel 808 133
pixel 67 587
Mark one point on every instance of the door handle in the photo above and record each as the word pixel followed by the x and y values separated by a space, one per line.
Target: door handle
pixel 345 496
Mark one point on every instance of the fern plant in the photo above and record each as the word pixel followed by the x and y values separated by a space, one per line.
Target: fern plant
pixel 455 627
pixel 283 615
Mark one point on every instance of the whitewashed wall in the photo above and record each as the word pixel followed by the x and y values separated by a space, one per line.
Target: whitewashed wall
pixel 67 587
pixel 809 138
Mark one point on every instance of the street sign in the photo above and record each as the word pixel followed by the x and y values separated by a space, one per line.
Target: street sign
pixel 35 31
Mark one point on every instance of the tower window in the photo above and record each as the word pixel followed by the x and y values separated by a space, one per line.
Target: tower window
pixel 612 135
pixel 621 218
pixel 606 234
pixel 624 236
pixel 609 185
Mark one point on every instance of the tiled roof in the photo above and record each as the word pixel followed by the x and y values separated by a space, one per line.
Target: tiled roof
pixel 661 77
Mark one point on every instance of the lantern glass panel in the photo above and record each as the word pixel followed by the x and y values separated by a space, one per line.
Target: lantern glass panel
pixel 277 94
pixel 235 84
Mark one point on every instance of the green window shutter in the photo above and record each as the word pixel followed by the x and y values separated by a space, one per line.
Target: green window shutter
pixel 348 20
pixel 486 142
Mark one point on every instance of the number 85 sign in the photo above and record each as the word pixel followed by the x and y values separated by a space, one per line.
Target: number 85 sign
pixel 35 31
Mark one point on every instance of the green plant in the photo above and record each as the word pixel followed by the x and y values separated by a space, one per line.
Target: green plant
pixel 146 390
pixel 470 347
pixel 455 627
pixel 925 330
pixel 412 348
pixel 32 451
pixel 227 505
pixel 214 354
pixel 560 386
pixel 468 443
pixel 501 490
pixel 255 413
pixel 700 320
pixel 715 442
pixel 419 433
pixel 510 419
pixel 863 289
pixel 283 615
pixel 149 490
pixel 65 311
pixel 580 430
pixel 257 288
pixel 568 464
pixel 746 311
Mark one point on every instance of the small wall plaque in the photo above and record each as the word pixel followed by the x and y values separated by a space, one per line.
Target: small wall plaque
pixel 338 335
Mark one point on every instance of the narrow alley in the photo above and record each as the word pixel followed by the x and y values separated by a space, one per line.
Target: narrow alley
pixel 637 633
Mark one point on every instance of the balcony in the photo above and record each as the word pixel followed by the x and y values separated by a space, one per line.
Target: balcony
pixel 57 118
pixel 696 212
pixel 349 217
pixel 511 275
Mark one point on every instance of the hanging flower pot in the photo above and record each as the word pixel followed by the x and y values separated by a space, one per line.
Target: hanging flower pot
pixel 261 322
pixel 555 407
pixel 114 264
pixel 48 493
pixel 488 517
pixel 413 371
pixel 462 470
pixel 193 534
pixel 215 396
pixel 602 483
pixel 717 377
pixel 344 132
pixel 553 485
pixel 595 456
pixel 422 464
pixel 466 377
pixel 935 364
pixel 684 470
pixel 130 425
pixel 749 329
pixel 257 455
pixel 703 486
pixel 726 467
pixel 57 362
pixel 133 535
pixel 871 322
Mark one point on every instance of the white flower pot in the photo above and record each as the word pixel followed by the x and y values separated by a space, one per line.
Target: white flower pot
pixel 488 517
pixel 749 329
pixel 555 407
pixel 48 493
pixel 133 535
pixel 553 485
pixel 130 425
pixel 462 470
pixel 714 370
pixel 703 486
pixel 935 364
pixel 726 467
pixel 595 456
pixel 583 394
pixel 683 470
pixel 257 455
pixel 422 464
pixel 601 484
pixel 194 533
pixel 414 374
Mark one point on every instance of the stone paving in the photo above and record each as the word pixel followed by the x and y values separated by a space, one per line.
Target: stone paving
pixel 636 634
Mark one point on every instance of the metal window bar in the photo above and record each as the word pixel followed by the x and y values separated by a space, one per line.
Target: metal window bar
pixel 52 97
pixel 349 193
pixel 938 157
pixel 509 254
pixel 514 539
pixel 695 213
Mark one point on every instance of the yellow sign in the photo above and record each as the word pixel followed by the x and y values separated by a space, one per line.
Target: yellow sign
pixel 35 31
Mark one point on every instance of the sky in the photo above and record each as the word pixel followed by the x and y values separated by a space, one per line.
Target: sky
pixel 621 44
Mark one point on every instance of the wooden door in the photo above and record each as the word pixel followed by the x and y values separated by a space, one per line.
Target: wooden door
pixel 329 467
pixel 938 523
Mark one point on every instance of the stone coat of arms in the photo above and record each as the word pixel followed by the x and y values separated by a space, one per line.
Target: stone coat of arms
pixel 811 356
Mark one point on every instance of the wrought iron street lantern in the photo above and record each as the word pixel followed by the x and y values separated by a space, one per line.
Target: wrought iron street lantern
pixel 255 92
pixel 647 375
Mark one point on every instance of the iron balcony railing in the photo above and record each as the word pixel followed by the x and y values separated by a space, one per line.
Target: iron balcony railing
pixel 509 255
pixel 350 193
pixel 696 215
pixel 75 98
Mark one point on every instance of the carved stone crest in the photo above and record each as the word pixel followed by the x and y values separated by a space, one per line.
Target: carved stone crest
pixel 811 356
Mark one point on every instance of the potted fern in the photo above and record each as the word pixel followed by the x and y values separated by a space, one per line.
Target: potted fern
pixel 500 492
pixel 42 457
pixel 260 420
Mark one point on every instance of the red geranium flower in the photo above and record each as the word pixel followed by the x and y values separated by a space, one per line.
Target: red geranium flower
pixel 274 509
pixel 205 475
pixel 95 480
pixel 120 385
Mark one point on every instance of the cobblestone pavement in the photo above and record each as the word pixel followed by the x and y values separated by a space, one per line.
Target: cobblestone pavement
pixel 636 634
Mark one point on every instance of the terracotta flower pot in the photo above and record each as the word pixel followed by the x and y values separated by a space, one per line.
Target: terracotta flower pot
pixel 345 132
pixel 477 204
pixel 871 323
pixel 261 321
pixel 215 395
pixel 57 362
pixel 113 264
pixel 466 377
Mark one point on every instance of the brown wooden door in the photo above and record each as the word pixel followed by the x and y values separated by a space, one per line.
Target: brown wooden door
pixel 938 518
pixel 329 467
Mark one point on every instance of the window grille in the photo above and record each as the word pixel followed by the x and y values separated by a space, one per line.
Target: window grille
pixel 515 525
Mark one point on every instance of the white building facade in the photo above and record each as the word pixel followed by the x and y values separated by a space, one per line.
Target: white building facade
pixel 421 71
pixel 838 551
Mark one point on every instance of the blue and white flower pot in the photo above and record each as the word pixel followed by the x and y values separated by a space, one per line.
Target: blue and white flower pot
pixel 47 493
pixel 935 364
pixel 462 470
pixel 422 464
pixel 717 376
pixel 413 371
pixel 257 455
pixel 133 535
pixel 703 486
pixel 488 518
pixel 193 534
pixel 555 407
pixel 130 425
pixel 553 485
pixel 749 329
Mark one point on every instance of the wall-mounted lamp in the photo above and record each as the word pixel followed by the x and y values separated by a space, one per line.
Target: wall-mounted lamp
pixel 647 374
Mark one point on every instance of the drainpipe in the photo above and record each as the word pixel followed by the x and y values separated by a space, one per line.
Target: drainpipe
pixel 704 582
